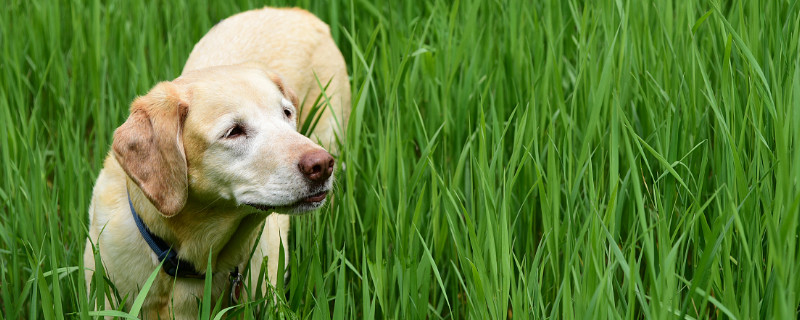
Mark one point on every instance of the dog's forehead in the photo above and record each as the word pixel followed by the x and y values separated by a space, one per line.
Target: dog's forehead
pixel 238 91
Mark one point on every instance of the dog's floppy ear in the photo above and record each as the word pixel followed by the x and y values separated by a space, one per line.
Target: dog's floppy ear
pixel 149 147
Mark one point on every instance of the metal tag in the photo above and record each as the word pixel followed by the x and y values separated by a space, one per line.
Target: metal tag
pixel 236 286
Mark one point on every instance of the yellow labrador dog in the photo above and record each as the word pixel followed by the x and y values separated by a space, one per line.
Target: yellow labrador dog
pixel 203 160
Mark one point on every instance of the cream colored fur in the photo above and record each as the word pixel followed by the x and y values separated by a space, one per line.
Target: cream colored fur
pixel 246 69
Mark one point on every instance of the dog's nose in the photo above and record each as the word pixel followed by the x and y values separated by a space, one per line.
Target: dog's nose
pixel 316 165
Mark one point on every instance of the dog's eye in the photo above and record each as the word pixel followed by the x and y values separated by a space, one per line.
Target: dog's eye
pixel 234 132
pixel 287 112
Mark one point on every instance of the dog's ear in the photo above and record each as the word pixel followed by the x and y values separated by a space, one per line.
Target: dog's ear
pixel 285 90
pixel 149 147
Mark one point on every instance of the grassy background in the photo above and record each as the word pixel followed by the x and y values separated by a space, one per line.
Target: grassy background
pixel 566 159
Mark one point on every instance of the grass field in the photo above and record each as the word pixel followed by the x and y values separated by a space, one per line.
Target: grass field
pixel 564 159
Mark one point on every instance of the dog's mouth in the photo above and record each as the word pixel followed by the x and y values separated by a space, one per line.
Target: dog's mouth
pixel 317 197
pixel 261 207
pixel 307 203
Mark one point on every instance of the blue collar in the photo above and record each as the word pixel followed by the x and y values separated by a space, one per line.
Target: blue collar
pixel 173 265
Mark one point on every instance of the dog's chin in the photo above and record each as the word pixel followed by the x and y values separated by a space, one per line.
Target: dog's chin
pixel 299 207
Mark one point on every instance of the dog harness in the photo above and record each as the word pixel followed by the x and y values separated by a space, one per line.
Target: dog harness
pixel 174 266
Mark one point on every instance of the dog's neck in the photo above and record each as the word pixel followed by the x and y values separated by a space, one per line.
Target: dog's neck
pixel 227 234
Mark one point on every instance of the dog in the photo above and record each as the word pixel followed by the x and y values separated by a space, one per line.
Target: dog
pixel 207 162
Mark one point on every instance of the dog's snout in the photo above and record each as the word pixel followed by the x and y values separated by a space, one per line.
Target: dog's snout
pixel 316 165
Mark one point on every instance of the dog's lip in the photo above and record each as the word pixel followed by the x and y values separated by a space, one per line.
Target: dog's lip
pixel 317 197
pixel 261 207
pixel 312 199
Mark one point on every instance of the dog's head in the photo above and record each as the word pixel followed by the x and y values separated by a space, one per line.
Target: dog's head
pixel 223 135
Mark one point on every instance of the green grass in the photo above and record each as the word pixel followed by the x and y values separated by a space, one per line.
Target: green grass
pixel 565 159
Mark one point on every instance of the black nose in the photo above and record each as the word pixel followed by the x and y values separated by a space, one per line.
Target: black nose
pixel 316 165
